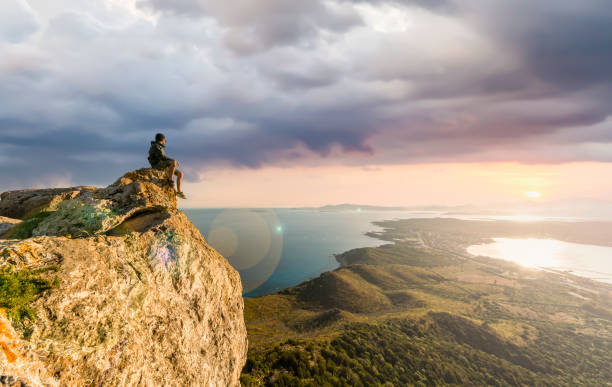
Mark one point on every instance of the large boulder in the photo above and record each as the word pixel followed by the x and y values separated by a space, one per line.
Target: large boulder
pixel 23 203
pixel 79 211
pixel 138 296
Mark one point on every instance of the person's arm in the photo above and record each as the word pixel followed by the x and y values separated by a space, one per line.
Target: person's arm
pixel 168 158
pixel 162 154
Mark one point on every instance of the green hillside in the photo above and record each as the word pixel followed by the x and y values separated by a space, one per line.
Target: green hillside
pixel 413 313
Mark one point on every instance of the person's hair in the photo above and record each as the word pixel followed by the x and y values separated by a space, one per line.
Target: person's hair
pixel 159 137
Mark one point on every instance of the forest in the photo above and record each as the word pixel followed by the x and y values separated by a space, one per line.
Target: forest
pixel 413 313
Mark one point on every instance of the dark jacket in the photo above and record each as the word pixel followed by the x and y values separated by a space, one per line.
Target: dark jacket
pixel 157 154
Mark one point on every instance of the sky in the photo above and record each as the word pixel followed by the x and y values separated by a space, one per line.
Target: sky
pixel 293 102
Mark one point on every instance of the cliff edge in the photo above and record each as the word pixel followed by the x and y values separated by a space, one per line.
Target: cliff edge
pixel 114 286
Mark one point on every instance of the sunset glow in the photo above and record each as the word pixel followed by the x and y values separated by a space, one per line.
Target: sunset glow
pixel 533 194
pixel 397 185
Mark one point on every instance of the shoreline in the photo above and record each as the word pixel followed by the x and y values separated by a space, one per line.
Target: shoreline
pixel 424 294
pixel 388 235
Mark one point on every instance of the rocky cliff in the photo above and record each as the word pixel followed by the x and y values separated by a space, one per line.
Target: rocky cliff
pixel 114 286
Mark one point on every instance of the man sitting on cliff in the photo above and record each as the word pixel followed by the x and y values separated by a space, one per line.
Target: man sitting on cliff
pixel 159 160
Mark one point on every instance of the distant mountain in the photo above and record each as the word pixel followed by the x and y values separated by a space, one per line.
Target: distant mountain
pixel 579 208
pixel 365 207
pixel 357 207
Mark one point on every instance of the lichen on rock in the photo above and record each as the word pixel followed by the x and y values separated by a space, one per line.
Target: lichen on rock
pixel 81 216
pixel 141 299
pixel 24 203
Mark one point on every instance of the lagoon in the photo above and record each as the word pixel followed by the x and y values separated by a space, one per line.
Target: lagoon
pixel 589 261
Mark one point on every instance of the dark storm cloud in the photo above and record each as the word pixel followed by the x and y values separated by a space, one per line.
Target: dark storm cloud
pixel 82 92
pixel 566 43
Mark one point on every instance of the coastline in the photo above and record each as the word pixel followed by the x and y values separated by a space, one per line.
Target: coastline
pixel 396 231
pixel 424 294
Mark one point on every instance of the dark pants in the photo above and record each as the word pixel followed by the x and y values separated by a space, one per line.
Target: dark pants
pixel 164 165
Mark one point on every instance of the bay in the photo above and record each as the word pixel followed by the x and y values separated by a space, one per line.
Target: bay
pixel 274 249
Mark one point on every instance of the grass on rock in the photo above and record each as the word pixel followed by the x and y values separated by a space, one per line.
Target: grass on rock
pixel 19 288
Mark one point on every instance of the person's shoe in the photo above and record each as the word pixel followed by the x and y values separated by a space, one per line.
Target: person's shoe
pixel 181 195
pixel 170 182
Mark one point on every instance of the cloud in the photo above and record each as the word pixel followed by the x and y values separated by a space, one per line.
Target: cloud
pixel 17 21
pixel 255 26
pixel 562 42
pixel 285 83
pixel 434 5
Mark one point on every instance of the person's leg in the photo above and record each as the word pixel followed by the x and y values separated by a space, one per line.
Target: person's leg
pixel 171 170
pixel 179 180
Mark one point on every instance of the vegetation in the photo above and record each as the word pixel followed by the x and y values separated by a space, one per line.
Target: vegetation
pixel 402 254
pixel 19 288
pixel 24 229
pixel 596 233
pixel 422 312
pixel 404 352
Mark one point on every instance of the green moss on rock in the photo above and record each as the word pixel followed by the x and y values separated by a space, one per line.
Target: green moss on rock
pixel 24 229
pixel 19 288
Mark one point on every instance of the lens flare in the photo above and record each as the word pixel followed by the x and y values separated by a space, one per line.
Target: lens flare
pixel 252 242
pixel 224 240
pixel 241 236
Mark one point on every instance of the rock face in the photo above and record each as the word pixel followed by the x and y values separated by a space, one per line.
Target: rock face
pixel 141 299
pixel 7 223
pixel 19 204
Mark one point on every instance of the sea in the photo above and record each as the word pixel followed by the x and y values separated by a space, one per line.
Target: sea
pixel 274 249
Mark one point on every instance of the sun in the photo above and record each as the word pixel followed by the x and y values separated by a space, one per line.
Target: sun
pixel 533 194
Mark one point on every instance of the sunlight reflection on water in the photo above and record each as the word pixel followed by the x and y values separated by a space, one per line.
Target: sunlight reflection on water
pixel 590 261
